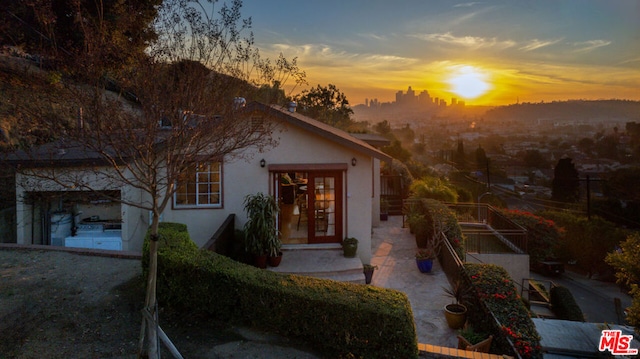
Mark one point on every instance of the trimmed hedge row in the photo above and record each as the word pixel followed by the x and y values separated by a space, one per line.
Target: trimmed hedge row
pixel 336 318
pixel 493 286
pixel 564 304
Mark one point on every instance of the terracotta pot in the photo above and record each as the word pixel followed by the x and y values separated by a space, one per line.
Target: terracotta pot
pixel 260 261
pixel 274 261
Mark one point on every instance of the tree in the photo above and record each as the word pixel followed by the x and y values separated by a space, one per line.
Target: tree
pixel 565 186
pixel 626 261
pixel 535 159
pixel 185 115
pixel 326 104
pixel 481 157
pixel 459 157
pixel 63 29
pixel 396 151
pixel 383 128
pixel 434 188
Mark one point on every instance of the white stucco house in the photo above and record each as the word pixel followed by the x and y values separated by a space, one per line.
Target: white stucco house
pixel 327 183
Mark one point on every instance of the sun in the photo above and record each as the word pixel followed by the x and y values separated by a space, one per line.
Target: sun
pixel 468 82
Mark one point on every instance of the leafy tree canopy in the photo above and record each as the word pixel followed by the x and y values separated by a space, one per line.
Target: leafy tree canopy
pixel 327 104
pixel 63 30
pixel 626 261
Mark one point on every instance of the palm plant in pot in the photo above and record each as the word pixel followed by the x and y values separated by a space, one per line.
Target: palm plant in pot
pixel 262 239
pixel 456 313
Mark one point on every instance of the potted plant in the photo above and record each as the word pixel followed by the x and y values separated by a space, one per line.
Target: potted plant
pixel 424 259
pixel 261 234
pixel 456 313
pixel 350 247
pixel 368 269
pixel 469 339
pixel 384 209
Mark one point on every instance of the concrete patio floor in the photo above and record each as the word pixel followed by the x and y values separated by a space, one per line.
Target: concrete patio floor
pixel 393 251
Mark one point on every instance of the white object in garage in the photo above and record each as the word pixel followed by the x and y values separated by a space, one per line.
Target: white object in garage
pixel 94 236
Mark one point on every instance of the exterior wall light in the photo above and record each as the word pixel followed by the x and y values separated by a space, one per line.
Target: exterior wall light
pixel 263 163
pixel 354 162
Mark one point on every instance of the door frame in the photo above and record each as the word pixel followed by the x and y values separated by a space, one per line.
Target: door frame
pixel 338 170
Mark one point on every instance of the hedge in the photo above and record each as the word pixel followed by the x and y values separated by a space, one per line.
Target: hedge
pixel 494 291
pixel 564 304
pixel 339 319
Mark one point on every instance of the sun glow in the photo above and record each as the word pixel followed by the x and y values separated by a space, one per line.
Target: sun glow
pixel 468 82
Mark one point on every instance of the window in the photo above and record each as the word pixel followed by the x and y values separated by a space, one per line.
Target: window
pixel 200 186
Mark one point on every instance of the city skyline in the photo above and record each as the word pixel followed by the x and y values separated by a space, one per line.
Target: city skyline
pixel 483 53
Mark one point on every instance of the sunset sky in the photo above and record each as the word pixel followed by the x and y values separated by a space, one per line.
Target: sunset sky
pixel 484 52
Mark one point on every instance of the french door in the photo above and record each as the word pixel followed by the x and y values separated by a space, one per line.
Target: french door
pixel 324 207
pixel 311 205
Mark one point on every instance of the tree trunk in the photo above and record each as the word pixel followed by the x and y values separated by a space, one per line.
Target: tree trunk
pixel 150 299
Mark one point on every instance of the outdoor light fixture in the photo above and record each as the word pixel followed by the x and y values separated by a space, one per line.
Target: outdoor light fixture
pixel 354 162
pixel 263 162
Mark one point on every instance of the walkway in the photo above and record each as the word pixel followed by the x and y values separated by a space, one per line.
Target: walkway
pixel 393 249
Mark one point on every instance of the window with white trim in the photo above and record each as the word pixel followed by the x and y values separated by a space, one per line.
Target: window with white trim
pixel 200 186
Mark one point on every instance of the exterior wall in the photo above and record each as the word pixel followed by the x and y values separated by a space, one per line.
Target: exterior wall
pixel 243 176
pixel 517 265
pixel 134 222
pixel 375 209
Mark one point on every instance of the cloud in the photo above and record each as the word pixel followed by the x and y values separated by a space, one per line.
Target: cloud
pixel 474 42
pixel 322 55
pixel 468 4
pixel 374 36
pixel 536 44
pixel 590 45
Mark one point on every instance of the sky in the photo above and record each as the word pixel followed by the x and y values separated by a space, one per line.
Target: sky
pixel 482 52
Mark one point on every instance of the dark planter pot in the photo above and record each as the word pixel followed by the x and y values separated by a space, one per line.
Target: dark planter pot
pixel 424 265
pixel 456 315
pixel 384 216
pixel 274 261
pixel 260 261
pixel 349 250
pixel 368 275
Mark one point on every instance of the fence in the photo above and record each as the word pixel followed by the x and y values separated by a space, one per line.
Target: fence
pixel 481 220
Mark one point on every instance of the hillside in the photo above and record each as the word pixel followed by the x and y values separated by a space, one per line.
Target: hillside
pixel 568 110
pixel 28 92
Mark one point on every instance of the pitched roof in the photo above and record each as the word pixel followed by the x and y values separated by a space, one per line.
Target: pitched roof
pixel 319 128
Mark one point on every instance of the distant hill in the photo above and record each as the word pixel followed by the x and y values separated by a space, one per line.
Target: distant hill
pixel 568 110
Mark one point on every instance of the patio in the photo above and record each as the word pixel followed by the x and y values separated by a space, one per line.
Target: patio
pixel 394 253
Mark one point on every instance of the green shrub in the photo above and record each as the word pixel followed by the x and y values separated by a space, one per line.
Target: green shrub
pixel 496 293
pixel 337 318
pixel 444 219
pixel 564 304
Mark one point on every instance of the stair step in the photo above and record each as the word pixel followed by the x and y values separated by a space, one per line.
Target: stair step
pixel 321 263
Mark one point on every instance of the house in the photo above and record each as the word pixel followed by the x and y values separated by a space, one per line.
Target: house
pixel 327 183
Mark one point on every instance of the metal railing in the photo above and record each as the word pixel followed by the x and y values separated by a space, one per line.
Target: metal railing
pixel 489 222
pixel 453 267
